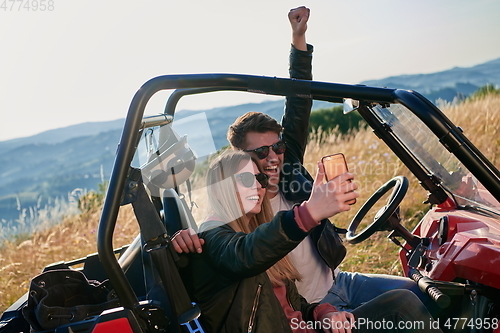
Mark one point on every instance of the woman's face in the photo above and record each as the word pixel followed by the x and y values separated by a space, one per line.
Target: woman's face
pixel 250 197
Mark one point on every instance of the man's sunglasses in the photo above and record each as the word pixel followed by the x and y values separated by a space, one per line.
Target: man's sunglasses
pixel 262 152
pixel 247 179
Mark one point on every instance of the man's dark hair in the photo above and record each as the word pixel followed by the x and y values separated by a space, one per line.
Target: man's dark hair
pixel 251 122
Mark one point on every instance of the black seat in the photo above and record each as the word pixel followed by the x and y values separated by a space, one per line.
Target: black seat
pixel 176 215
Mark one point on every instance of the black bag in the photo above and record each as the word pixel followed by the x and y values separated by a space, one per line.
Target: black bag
pixel 60 297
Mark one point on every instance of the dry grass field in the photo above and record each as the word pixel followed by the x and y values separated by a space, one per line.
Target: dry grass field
pixel 366 155
pixel 74 238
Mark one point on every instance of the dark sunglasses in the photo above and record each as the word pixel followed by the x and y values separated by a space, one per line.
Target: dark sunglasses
pixel 262 152
pixel 247 179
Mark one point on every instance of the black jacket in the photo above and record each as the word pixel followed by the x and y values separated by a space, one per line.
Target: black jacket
pixel 295 181
pixel 228 280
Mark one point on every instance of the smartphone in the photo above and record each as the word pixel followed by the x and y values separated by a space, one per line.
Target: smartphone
pixel 335 165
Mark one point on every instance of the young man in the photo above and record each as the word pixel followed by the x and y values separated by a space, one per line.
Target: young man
pixel 280 149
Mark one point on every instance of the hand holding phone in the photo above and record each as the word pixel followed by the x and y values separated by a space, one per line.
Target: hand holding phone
pixel 335 165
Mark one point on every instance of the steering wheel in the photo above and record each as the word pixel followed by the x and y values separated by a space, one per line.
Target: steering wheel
pixel 400 185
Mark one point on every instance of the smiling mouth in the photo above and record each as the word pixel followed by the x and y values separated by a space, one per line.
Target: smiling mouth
pixel 253 198
pixel 272 168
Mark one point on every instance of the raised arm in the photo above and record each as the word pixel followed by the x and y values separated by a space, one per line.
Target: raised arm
pixel 298 108
pixel 298 18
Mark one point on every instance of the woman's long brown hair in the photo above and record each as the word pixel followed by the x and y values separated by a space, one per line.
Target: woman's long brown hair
pixel 226 205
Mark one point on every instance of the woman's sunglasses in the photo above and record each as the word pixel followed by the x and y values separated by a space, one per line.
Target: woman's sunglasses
pixel 247 179
pixel 262 152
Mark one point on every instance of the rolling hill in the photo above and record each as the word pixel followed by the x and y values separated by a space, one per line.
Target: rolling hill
pixel 446 85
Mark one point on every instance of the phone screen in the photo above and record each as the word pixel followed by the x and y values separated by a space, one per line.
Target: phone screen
pixel 335 165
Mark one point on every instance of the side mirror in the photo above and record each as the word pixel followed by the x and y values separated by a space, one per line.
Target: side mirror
pixel 350 105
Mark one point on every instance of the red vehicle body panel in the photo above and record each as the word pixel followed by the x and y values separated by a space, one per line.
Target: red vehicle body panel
pixel 120 325
pixel 470 249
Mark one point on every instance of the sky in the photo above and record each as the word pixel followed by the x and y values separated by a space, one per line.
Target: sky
pixel 82 61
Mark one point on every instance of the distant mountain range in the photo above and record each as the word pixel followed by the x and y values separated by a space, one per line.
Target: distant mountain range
pixel 446 85
pixel 54 163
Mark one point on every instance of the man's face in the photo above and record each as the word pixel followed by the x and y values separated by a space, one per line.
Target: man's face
pixel 273 162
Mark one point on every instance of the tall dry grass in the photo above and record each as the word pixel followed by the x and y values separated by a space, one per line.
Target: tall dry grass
pixel 367 157
pixel 373 164
pixel 73 238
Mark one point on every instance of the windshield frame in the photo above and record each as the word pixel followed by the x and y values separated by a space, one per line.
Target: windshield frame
pixel 450 136
pixel 442 166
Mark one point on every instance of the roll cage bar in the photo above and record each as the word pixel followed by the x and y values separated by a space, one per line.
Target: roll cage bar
pixel 438 123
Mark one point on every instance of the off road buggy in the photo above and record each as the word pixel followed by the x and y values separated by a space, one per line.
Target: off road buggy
pixel 453 252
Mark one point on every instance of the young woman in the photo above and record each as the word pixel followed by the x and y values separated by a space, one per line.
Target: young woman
pixel 243 281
